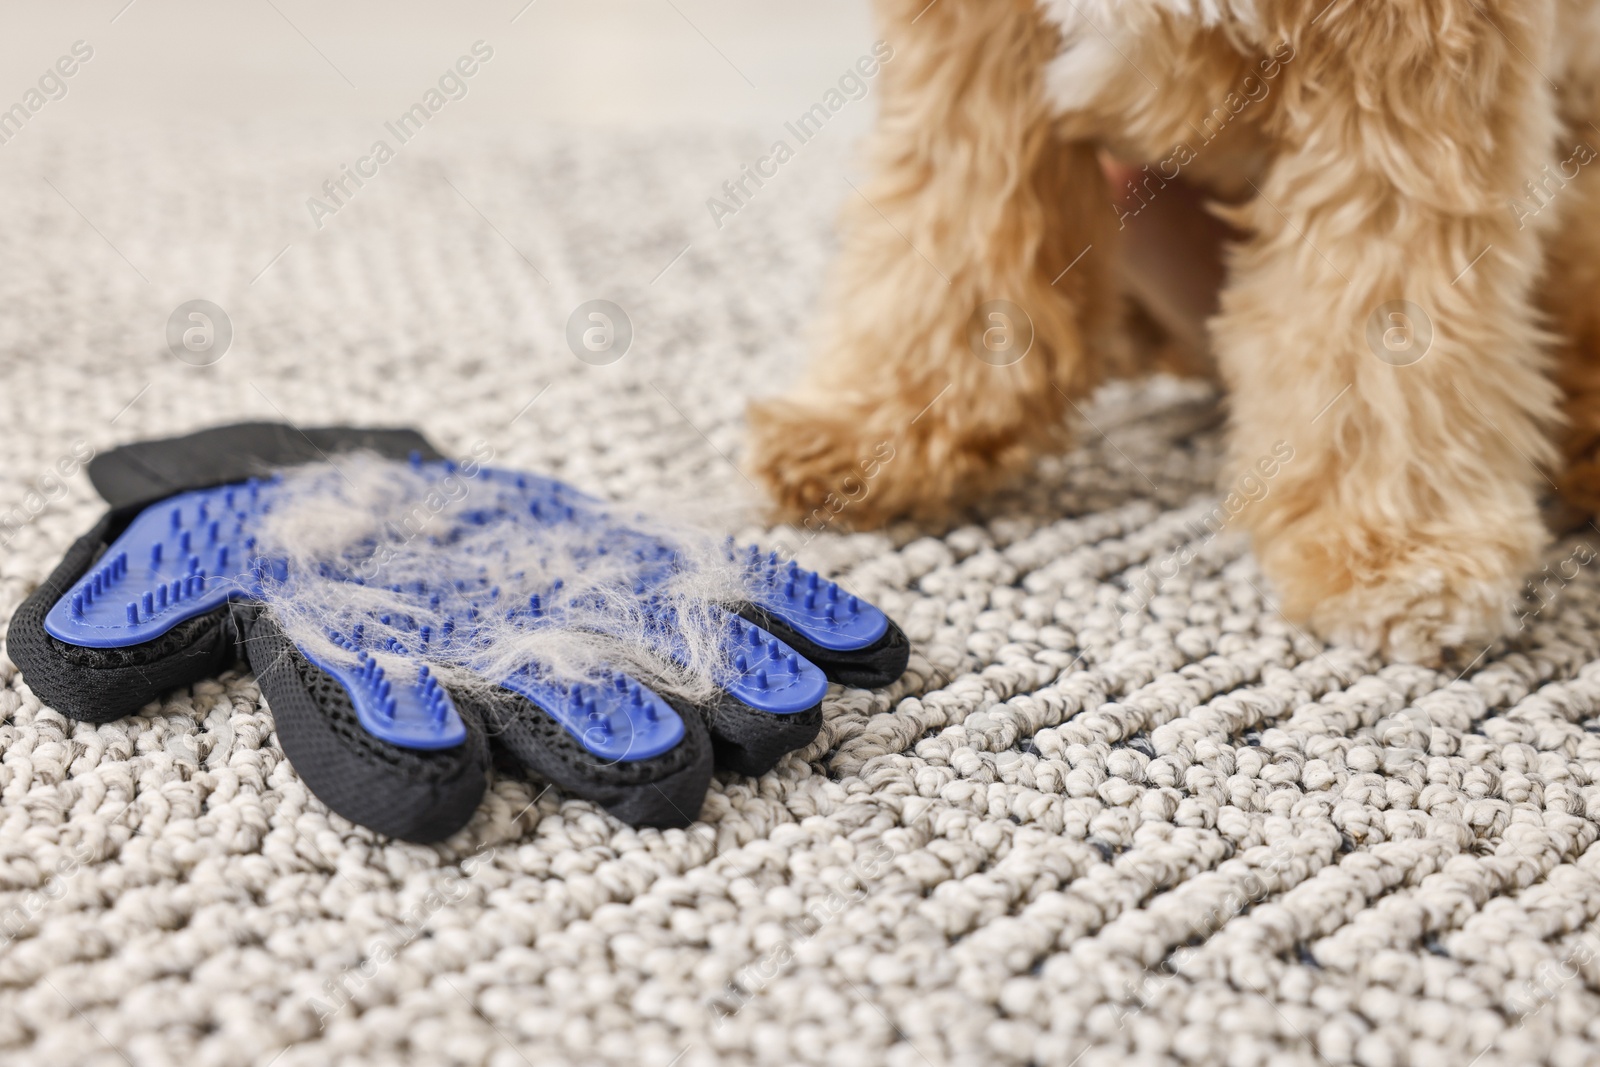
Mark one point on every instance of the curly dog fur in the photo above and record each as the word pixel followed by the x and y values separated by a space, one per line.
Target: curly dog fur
pixel 1370 152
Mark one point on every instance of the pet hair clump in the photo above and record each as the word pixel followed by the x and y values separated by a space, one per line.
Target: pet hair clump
pixel 484 576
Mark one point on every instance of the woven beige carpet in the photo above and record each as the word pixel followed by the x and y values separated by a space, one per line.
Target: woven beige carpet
pixel 1088 826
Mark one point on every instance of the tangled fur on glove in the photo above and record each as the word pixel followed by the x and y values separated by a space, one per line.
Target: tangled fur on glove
pixel 395 548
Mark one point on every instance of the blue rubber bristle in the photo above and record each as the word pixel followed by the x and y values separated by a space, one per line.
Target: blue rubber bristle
pixel 169 585
pixel 157 581
pixel 197 550
pixel 621 721
pixel 768 675
pixel 816 608
pixel 419 715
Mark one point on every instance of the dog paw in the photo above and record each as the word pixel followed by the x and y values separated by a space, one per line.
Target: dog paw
pixel 1409 597
pixel 823 467
pixel 855 466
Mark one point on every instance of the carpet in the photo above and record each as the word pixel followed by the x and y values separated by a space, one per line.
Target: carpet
pixel 1096 822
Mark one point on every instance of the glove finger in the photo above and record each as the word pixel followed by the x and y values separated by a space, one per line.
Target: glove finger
pixel 416 794
pixel 97 681
pixel 870 666
pixel 767 699
pixel 770 703
pixel 619 745
pixel 852 641
pixel 748 740
pixel 101 681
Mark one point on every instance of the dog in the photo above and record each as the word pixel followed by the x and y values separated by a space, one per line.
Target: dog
pixel 1412 305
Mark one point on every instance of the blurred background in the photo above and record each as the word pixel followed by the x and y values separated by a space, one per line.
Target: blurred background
pixel 185 157
pixel 583 63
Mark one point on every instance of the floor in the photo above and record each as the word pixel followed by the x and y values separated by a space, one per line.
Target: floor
pixel 1086 827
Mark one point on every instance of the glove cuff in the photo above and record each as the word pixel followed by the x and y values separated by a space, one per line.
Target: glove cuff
pixel 147 471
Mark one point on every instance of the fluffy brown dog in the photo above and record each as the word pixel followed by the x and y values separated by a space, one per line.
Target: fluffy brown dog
pixel 1417 281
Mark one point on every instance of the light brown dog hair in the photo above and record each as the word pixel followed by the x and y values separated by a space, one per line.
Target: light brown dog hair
pixel 1413 288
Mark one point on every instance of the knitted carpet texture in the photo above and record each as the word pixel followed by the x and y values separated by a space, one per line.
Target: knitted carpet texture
pixel 1092 824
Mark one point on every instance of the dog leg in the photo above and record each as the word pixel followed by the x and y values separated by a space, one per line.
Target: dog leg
pixel 1562 201
pixel 1407 517
pixel 924 392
